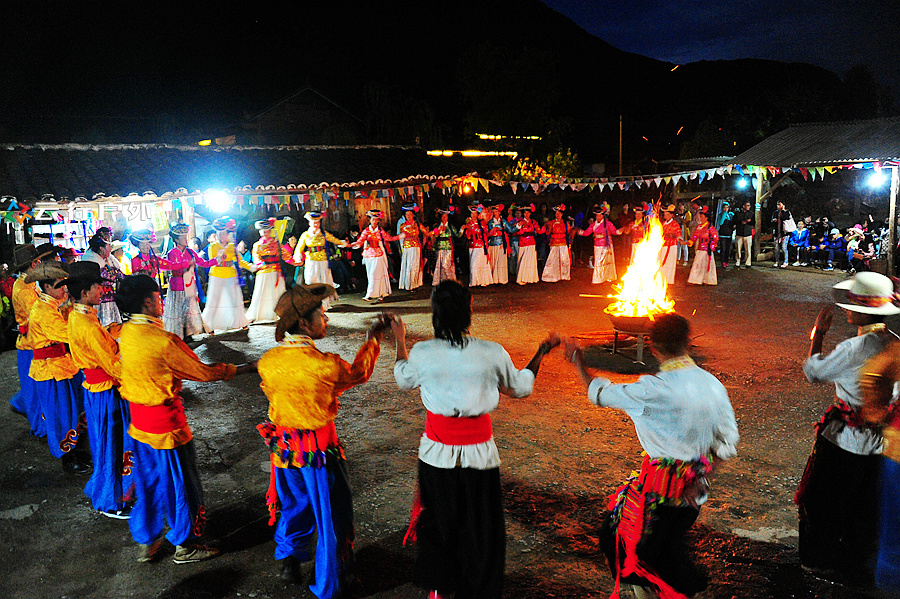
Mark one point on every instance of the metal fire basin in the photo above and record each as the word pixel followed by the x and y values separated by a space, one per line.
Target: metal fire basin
pixel 635 326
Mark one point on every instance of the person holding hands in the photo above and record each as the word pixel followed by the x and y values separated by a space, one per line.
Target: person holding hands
pixel 309 481
pixel 686 425
pixel 460 500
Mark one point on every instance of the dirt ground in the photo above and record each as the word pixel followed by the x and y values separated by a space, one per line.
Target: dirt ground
pixel 561 455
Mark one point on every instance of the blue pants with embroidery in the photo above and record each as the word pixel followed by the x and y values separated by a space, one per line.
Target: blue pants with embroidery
pixel 25 401
pixel 316 499
pixel 112 449
pixel 62 403
pixel 166 487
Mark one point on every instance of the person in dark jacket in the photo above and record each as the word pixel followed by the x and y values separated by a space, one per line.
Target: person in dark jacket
pixel 744 223
pixel 832 249
pixel 725 227
pixel 783 225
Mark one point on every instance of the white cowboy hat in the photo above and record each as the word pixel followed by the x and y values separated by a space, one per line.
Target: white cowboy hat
pixel 866 292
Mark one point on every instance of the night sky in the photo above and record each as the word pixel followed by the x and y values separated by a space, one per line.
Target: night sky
pixel 208 62
pixel 836 35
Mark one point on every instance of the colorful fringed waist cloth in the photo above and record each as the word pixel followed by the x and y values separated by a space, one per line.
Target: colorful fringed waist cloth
pixel 661 481
pixel 841 411
pixel 296 448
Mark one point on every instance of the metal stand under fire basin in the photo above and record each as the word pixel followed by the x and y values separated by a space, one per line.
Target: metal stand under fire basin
pixel 635 326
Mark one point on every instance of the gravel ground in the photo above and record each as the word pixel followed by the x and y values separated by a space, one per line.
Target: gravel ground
pixel 561 455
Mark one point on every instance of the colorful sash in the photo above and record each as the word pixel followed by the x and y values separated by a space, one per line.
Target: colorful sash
pixel 95 376
pixel 449 430
pixel 661 481
pixel 158 420
pixel 54 350
pixel 297 448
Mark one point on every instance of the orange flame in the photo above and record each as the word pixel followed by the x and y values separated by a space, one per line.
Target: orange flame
pixel 643 288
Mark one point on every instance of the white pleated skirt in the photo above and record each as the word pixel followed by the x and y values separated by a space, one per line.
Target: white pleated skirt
pixel 224 305
pixel 703 270
pixel 526 268
pixel 667 262
pixel 411 268
pixel 267 290
pixel 379 279
pixel 182 313
pixel 604 264
pixel 479 268
pixel 108 313
pixel 317 271
pixel 444 269
pixel 558 266
pixel 499 265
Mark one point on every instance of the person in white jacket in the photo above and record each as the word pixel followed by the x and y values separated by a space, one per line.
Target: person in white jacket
pixel 685 424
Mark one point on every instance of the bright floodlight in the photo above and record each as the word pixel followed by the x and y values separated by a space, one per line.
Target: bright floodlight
pixel 218 201
pixel 742 182
pixel 877 179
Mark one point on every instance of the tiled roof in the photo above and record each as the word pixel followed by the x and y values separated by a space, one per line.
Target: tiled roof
pixel 75 172
pixel 822 144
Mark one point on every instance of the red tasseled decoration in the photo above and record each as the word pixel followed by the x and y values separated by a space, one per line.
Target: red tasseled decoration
pixel 414 515
pixel 272 497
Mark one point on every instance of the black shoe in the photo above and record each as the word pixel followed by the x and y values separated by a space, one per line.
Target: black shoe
pixel 290 570
pixel 71 464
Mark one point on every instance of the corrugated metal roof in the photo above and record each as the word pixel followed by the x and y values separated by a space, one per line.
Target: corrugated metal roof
pixel 823 144
pixel 77 171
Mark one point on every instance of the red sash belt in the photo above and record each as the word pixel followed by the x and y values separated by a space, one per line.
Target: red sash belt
pixel 465 430
pixel 23 329
pixel 95 376
pixel 160 419
pixel 55 350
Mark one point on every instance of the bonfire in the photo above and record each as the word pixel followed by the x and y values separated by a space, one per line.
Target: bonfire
pixel 642 293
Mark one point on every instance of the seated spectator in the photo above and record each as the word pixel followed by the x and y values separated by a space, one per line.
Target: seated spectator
pixel 831 250
pixel 860 249
pixel 798 245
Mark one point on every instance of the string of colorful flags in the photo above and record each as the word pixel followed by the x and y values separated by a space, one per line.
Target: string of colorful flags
pixel 155 209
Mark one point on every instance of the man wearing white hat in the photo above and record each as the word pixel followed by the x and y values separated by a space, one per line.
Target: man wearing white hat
pixel 838 494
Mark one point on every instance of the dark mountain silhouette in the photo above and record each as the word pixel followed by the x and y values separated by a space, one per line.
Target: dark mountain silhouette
pixel 452 68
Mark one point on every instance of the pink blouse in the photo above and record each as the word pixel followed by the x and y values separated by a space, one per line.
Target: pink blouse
pixel 706 238
pixel 601 230
pixel 183 257
pixel 374 240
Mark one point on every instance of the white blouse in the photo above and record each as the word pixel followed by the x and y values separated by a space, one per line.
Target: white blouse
pixel 461 381
pixel 682 413
pixel 841 367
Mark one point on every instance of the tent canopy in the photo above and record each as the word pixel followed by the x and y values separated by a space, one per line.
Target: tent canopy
pixel 821 144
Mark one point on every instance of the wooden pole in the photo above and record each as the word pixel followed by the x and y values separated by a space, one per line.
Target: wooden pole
pixel 758 217
pixel 892 219
pixel 620 145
